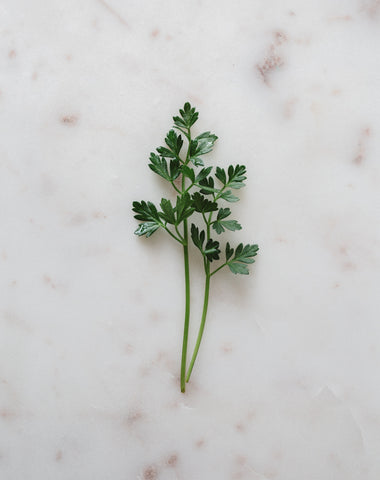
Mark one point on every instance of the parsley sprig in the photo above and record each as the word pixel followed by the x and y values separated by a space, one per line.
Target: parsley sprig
pixel 199 194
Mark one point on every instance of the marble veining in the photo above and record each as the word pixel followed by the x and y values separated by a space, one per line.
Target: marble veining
pixel 286 384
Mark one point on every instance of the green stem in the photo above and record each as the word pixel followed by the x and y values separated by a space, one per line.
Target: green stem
pixel 187 310
pixel 187 282
pixel 179 239
pixel 205 302
pixel 217 269
pixel 203 322
pixel 175 188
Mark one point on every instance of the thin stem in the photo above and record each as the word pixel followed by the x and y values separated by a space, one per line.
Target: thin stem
pixel 203 322
pixel 217 270
pixel 187 310
pixel 175 188
pixel 187 283
pixel 179 234
pixel 205 301
pixel 179 239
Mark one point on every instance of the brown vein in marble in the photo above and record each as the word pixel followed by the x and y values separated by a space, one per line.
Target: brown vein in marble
pixel 371 7
pixel 273 59
pixel 113 12
pixel 150 473
pixel 362 146
pixel 69 120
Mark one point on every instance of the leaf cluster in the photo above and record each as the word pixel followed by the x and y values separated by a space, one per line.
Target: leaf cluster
pixel 202 191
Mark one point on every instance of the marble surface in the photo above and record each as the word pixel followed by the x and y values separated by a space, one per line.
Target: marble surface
pixel 286 385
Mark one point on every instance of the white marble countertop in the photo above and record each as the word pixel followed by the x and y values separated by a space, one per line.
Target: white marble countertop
pixel 286 385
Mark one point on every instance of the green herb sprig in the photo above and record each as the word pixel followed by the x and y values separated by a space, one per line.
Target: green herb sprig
pixel 199 194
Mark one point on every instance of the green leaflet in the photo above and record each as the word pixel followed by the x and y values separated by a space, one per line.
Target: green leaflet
pixel 243 255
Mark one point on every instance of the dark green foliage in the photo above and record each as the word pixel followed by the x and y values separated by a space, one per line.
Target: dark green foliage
pixel 188 116
pixel 202 204
pixel 147 212
pixel 207 185
pixel 211 250
pixel 243 256
pixel 174 143
pixel 196 191
pixel 200 146
pixel 236 176
pixel 183 208
pixel 227 195
pixel 159 165
pixel 219 225
pixel 169 164
pixel 168 212
pixel 197 238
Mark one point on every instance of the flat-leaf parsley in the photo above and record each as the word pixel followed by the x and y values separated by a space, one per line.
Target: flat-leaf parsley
pixel 199 194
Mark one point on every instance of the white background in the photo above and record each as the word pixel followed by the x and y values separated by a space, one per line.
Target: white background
pixel 286 385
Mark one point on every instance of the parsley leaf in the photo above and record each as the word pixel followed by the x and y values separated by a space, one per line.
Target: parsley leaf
pixel 159 165
pixel 174 142
pixel 207 186
pixel 219 225
pixel 202 204
pixel 188 172
pixel 227 195
pixel 236 176
pixel 211 251
pixel 197 237
pixel 168 212
pixel 201 145
pixel 243 256
pixel 187 119
pixel 147 212
pixel 146 228
pixel 203 173
pixel 183 208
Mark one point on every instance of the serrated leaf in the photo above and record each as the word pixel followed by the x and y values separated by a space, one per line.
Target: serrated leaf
pixel 212 250
pixel 205 142
pixel 197 161
pixel 220 225
pixel 146 228
pixel 159 166
pixel 236 176
pixel 174 142
pixel 207 185
pixel 197 238
pixel 188 116
pixel 183 208
pixel 229 197
pixel 167 214
pixel 229 252
pixel 202 204
pixel 243 256
pixel 220 174
pixel 175 169
pixel 146 211
pixel 238 268
pixel 223 213
pixel 203 174
pixel 189 173
pixel 201 145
